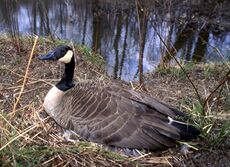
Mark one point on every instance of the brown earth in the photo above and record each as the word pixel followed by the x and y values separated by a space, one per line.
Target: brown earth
pixel 40 132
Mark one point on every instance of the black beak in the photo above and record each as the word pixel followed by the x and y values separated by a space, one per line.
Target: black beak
pixel 49 56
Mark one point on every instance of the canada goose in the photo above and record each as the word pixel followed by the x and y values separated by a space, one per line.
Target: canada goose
pixel 106 113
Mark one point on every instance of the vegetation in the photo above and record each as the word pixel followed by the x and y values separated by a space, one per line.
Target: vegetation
pixel 214 129
pixel 91 56
pixel 30 138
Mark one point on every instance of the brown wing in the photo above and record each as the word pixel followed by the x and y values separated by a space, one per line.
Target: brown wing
pixel 116 116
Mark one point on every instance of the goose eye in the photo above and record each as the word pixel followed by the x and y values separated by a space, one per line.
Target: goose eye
pixel 63 51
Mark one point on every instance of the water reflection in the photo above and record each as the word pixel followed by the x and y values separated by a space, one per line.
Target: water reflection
pixel 189 29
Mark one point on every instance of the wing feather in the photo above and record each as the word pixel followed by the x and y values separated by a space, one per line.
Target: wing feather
pixel 117 116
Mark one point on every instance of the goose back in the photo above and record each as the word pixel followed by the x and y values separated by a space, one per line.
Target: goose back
pixel 107 113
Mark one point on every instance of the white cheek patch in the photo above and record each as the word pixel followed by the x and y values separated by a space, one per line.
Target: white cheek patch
pixel 67 58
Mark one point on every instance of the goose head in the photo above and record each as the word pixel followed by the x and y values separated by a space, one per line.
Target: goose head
pixel 62 53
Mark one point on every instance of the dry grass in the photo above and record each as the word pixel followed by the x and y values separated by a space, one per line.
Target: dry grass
pixel 30 138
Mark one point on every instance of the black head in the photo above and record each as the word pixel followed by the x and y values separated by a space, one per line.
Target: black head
pixel 62 53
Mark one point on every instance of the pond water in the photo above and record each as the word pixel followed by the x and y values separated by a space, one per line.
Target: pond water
pixel 191 30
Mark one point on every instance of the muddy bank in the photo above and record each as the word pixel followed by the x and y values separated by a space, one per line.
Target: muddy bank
pixel 43 135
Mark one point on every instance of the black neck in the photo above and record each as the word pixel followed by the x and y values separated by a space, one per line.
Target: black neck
pixel 66 81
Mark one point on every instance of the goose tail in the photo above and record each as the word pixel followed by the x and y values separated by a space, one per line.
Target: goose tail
pixel 187 132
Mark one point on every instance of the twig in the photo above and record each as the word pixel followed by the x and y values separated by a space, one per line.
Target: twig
pixel 139 157
pixel 31 78
pixel 25 76
pixel 20 135
pixel 182 68
pixel 9 123
pixel 40 119
pixel 226 77
pixel 168 162
pixel 44 163
pixel 132 85
pixel 221 55
pixel 61 163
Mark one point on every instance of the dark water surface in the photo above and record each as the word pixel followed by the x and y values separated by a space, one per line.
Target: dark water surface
pixel 110 27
